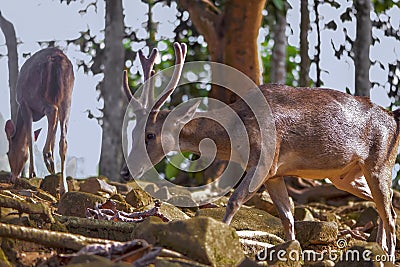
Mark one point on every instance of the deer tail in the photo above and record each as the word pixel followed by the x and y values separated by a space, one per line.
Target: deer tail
pixel 54 88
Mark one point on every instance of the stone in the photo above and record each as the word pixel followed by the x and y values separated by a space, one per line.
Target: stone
pixel 95 185
pixel 368 215
pixel 122 189
pixel 316 233
pixel 364 254
pixel 76 203
pixel 248 219
pixel 92 260
pixel 264 202
pixel 138 198
pixel 170 211
pixel 286 254
pixel 182 201
pixel 255 241
pixel 303 214
pixel 200 238
pixel 51 184
pixel 162 194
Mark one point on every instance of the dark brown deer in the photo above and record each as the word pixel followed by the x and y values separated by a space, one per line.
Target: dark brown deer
pixel 44 88
pixel 320 133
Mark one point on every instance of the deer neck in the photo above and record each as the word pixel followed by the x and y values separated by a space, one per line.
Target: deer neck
pixel 200 128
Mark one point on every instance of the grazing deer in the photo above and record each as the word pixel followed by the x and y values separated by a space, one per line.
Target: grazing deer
pixel 44 88
pixel 320 133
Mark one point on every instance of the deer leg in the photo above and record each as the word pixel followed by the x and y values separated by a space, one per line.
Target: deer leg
pixel 27 115
pixel 239 196
pixel 63 149
pixel 382 193
pixel 51 114
pixel 277 190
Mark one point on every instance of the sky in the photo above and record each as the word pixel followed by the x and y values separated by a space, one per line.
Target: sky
pixel 45 20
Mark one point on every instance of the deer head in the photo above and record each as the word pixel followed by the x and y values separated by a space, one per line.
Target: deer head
pixel 146 136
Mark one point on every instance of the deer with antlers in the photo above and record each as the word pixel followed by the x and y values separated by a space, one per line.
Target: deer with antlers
pixel 320 133
pixel 44 88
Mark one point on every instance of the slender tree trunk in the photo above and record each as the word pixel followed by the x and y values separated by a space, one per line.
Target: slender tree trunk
pixel 278 64
pixel 114 104
pixel 11 43
pixel 304 80
pixel 231 33
pixel 361 47
pixel 317 57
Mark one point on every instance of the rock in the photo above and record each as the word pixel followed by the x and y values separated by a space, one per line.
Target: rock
pixel 138 198
pixel 303 214
pixel 368 215
pixel 248 263
pixel 170 211
pixel 97 186
pixel 316 233
pixel 286 254
pixel 182 201
pixel 200 238
pixel 264 202
pixel 248 219
pixel 76 203
pixel 162 194
pixel 364 254
pixel 92 260
pixel 254 241
pixel 121 188
pixel 5 177
pixel 51 184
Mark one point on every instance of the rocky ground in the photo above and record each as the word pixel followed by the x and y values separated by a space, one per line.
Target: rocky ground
pixel 130 228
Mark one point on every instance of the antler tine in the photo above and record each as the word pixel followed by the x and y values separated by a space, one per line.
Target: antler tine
pixel 147 97
pixel 128 92
pixel 180 54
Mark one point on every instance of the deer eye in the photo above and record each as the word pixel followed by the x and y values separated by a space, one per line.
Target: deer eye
pixel 150 136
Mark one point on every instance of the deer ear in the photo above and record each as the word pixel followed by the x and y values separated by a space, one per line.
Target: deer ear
pixel 187 112
pixel 10 129
pixel 36 134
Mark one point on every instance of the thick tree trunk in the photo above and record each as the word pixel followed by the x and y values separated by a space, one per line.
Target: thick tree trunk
pixel 11 43
pixel 231 33
pixel 361 47
pixel 114 104
pixel 304 80
pixel 278 63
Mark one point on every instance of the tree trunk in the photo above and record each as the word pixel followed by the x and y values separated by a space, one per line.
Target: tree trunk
pixel 361 47
pixel 278 59
pixel 231 34
pixel 114 104
pixel 11 43
pixel 304 80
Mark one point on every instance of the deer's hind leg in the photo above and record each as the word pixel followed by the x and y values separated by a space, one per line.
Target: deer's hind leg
pixel 379 181
pixel 64 118
pixel 51 112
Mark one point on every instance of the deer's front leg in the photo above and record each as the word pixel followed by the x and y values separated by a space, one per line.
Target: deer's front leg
pixel 239 196
pixel 52 115
pixel 277 190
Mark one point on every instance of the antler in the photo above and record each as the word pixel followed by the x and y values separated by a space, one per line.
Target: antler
pixel 180 54
pixel 146 99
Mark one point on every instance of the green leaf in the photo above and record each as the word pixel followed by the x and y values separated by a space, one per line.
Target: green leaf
pixel 171 171
pixel 279 4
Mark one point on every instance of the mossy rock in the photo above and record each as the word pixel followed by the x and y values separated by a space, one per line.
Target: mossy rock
pixel 248 219
pixel 201 239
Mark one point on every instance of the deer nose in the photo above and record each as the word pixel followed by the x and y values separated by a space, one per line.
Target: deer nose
pixel 125 173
